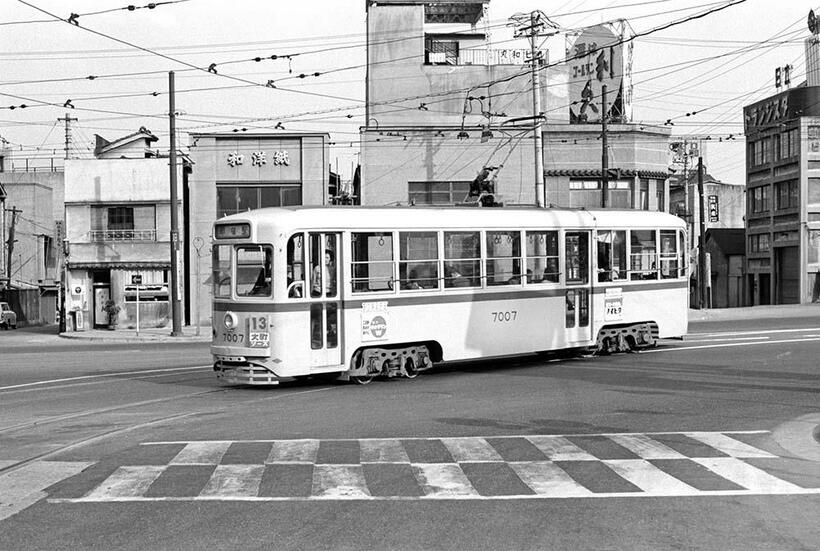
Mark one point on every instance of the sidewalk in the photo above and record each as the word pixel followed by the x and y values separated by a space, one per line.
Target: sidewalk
pixel 147 334
pixel 756 312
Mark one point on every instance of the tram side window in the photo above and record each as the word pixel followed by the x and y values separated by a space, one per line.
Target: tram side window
pixel 669 254
pixel 253 271
pixel 542 257
pixel 296 267
pixel 611 255
pixel 462 259
pixel 503 258
pixel 222 271
pixel 643 255
pixel 372 265
pixel 418 260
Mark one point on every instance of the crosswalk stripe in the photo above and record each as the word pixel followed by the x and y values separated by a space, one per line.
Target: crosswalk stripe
pixel 24 486
pixel 293 451
pixel 645 447
pixel 728 445
pixel 383 451
pixel 649 478
pixel 234 481
pixel 127 481
pixel 339 481
pixel 748 476
pixel 443 480
pixel 201 453
pixel 548 479
pixel 466 450
pixel 558 448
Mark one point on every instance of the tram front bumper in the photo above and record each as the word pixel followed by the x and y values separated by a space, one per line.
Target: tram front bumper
pixel 246 371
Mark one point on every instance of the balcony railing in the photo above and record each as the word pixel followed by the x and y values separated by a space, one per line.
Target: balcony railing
pixel 478 56
pixel 99 236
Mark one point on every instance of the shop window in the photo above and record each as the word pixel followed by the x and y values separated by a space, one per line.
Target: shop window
pixel 233 199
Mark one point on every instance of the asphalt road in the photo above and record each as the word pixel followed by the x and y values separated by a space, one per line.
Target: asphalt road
pixel 706 443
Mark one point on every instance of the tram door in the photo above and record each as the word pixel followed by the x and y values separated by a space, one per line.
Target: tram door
pixel 577 294
pixel 325 302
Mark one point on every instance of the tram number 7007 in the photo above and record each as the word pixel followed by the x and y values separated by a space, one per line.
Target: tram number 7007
pixel 501 317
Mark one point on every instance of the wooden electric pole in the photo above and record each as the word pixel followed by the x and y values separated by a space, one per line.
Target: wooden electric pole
pixel 702 274
pixel 604 151
pixel 176 283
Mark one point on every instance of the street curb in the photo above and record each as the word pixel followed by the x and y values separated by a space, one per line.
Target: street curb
pixel 135 339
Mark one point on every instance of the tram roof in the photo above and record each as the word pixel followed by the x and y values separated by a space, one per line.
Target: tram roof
pixel 359 217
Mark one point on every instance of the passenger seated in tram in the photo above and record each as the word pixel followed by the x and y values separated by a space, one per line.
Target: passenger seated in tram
pixel 412 281
pixel 453 278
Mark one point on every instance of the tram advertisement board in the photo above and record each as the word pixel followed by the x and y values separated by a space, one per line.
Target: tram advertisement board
pixel 375 321
pixel 613 304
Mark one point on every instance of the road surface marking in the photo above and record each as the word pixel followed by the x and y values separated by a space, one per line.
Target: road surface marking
pixel 645 447
pixel 728 445
pixel 725 345
pixel 105 375
pixel 759 332
pixel 234 481
pixel 471 450
pixel 293 451
pixel 443 480
pixel 201 453
pixel 383 450
pixel 558 448
pixel 548 479
pixel 748 476
pixel 339 482
pixel 127 481
pixel 24 487
pixel 649 478
pixel 720 339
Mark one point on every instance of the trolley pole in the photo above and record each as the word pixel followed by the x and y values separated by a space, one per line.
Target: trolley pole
pixel 702 274
pixel 176 284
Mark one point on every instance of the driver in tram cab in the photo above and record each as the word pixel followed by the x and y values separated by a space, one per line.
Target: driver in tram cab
pixel 328 275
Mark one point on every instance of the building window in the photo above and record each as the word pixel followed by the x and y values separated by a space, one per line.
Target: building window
pixel 659 190
pixel 587 194
pixel 437 193
pixel 440 51
pixel 777 147
pixel 759 243
pixel 813 195
pixel 120 218
pixel 234 199
pixel 786 195
pixel 760 199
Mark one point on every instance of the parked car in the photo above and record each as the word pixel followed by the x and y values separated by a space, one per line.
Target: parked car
pixel 8 319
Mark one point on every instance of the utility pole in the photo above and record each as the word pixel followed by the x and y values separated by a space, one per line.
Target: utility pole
pixel 68 119
pixel 604 151
pixel 10 242
pixel 702 275
pixel 176 284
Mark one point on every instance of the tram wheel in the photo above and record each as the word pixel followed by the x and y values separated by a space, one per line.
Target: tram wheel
pixel 363 379
pixel 410 369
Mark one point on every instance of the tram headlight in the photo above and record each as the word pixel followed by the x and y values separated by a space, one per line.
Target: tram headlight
pixel 230 320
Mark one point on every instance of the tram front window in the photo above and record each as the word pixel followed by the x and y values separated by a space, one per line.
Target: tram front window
pixel 253 271
pixel 222 271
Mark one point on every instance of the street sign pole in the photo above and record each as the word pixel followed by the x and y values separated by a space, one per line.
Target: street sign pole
pixel 137 280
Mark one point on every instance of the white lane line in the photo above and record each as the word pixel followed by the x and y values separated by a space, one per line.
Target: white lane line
pixel 105 375
pixel 24 487
pixel 724 345
pixel 201 453
pixel 760 332
pixel 234 481
pixel 547 479
pixel 645 447
pixel 126 481
pixel 443 480
pixel 649 478
pixel 293 451
pixel 729 340
pixel 506 436
pixel 728 445
pixel 748 476
pixel 384 450
pixel 339 482
pixel 471 450
pixel 558 448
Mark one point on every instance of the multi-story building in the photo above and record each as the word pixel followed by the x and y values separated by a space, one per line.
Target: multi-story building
pixel 444 101
pixel 118 211
pixel 237 172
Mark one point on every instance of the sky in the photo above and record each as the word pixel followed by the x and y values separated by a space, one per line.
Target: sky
pixel 113 67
